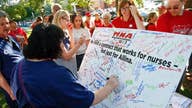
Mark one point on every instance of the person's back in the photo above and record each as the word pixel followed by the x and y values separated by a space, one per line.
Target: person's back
pixel 48 90
pixel 51 85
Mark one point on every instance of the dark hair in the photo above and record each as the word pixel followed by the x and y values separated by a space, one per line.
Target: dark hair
pixel 44 42
pixel 50 19
pixel 73 19
pixel 39 18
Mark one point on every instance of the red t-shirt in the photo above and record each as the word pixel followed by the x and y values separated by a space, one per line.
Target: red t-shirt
pixel 88 25
pixel 98 23
pixel 175 24
pixel 151 27
pixel 18 31
pixel 120 23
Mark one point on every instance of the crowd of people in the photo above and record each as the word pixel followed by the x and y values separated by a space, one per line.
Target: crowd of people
pixel 57 45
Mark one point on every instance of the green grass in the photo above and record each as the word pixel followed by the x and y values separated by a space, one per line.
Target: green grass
pixel 3 103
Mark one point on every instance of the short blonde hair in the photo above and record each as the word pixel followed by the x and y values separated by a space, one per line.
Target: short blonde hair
pixel 58 15
pixel 107 14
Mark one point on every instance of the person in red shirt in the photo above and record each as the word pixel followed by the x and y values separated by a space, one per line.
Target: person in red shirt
pixel 176 19
pixel 161 10
pixel 107 20
pixel 152 19
pixel 128 16
pixel 97 21
pixel 18 33
pixel 88 23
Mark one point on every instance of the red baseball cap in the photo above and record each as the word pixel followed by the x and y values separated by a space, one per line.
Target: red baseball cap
pixel 88 14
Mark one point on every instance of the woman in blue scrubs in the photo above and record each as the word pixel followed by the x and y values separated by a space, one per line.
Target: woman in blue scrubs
pixel 40 83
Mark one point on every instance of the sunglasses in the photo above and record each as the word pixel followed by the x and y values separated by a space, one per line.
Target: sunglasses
pixel 174 7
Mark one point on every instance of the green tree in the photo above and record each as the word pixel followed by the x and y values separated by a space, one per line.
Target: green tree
pixel 35 5
pixel 28 9
pixel 3 4
pixel 80 3
pixel 108 1
pixel 16 12
pixel 139 3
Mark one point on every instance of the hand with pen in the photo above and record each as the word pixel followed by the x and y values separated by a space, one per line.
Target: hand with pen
pixel 112 82
pixel 103 92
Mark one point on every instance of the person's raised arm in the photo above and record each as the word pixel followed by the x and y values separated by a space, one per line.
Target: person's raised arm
pixel 103 92
pixel 68 54
pixel 138 20
pixel 70 32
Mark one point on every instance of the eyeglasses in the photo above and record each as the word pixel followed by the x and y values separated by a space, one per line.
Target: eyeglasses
pixel 174 7
pixel 64 18
pixel 125 8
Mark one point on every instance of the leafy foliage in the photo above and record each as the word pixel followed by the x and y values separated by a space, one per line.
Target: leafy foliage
pixel 27 9
pixel 3 103
pixel 16 12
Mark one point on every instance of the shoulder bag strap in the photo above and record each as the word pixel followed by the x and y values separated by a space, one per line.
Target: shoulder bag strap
pixel 22 85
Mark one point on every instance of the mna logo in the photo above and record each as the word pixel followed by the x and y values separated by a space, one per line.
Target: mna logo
pixel 122 35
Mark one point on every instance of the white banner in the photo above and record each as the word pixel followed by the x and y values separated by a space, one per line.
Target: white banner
pixel 149 66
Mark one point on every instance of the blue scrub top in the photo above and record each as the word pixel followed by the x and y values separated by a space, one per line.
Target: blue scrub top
pixel 49 85
pixel 10 54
